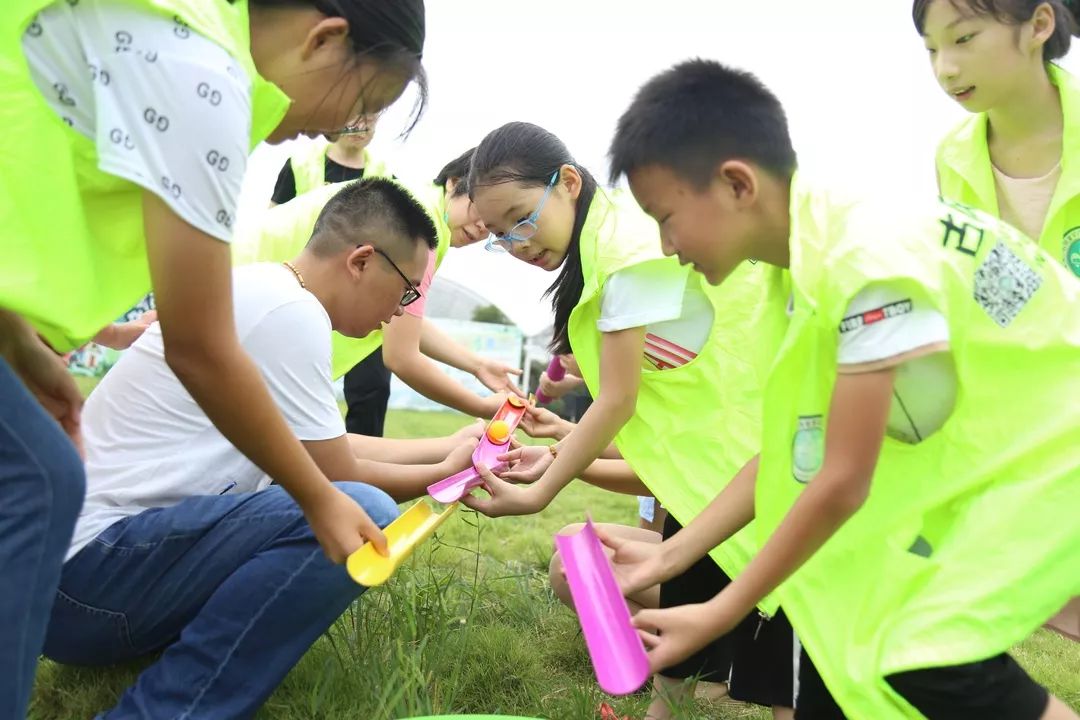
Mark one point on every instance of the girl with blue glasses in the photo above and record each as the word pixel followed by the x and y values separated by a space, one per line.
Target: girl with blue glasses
pixel 642 330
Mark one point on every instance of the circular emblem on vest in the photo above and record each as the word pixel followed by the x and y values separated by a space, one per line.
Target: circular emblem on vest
pixel 1071 250
pixel 808 447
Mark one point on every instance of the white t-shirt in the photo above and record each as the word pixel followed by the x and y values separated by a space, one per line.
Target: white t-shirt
pixel 664 299
pixel 892 327
pixel 167 108
pixel 148 444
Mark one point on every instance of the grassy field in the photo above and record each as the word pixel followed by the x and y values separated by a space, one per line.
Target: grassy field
pixel 468 626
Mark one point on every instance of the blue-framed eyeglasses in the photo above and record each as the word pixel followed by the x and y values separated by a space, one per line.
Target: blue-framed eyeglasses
pixel 525 229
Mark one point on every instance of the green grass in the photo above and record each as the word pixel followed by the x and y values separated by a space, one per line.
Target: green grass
pixel 469 625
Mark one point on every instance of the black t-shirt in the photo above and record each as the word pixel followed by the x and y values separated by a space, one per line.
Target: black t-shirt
pixel 285 189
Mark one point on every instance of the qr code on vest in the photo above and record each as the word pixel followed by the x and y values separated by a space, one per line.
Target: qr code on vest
pixel 1003 284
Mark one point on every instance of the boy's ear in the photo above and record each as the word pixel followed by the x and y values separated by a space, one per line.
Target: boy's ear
pixel 738 181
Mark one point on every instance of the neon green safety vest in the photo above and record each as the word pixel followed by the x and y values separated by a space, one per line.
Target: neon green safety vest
pixel 694 426
pixel 75 255
pixel 965 173
pixel 283 231
pixel 309 166
pixel 968 540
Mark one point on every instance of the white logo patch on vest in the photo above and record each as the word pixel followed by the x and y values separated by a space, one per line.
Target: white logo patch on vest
pixel 808 447
pixel 1004 284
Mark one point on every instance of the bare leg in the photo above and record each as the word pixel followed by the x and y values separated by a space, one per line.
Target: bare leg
pixel 1067 622
pixel 669 694
pixel 1058 710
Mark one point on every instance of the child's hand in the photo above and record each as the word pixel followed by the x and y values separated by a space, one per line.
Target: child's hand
pixel 46 376
pixel 673 634
pixel 569 363
pixel 637 565
pixel 121 336
pixel 527 463
pixel 460 457
pixel 539 422
pixel 504 498
pixel 492 403
pixel 495 377
pixel 472 431
pixel 557 388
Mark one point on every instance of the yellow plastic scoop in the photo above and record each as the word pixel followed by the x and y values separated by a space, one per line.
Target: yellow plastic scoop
pixel 367 567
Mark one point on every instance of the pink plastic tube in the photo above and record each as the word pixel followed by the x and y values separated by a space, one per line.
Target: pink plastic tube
pixel 555 373
pixel 495 442
pixel 617 653
pixel 457 486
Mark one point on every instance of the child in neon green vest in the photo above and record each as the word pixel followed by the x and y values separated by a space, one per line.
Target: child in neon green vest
pixel 646 336
pixel 323 162
pixel 143 113
pixel 1018 157
pixel 899 365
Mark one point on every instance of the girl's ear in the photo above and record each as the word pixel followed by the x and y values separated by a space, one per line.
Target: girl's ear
pixel 1042 22
pixel 570 179
pixel 331 31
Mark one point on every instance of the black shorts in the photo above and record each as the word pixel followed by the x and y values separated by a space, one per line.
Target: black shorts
pixel 757 659
pixel 994 689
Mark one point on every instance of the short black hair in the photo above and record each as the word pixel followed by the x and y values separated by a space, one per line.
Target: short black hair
pixel 376 210
pixel 697 115
pixel 1015 12
pixel 457 169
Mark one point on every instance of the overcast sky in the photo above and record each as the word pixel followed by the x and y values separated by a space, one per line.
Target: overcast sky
pixel 861 100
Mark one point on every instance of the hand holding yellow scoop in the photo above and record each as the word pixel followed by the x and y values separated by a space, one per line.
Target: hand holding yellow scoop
pixel 367 567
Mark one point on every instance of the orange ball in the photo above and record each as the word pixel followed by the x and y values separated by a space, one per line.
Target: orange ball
pixel 498 432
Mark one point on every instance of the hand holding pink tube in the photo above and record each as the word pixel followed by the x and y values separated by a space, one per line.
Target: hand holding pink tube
pixel 555 372
pixel 617 653
pixel 495 442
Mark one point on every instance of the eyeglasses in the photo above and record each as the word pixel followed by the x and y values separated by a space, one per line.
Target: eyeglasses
pixel 411 294
pixel 360 124
pixel 525 229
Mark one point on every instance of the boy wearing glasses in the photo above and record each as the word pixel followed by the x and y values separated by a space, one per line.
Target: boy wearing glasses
pixel 182 544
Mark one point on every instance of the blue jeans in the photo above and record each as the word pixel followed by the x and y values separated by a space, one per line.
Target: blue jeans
pixel 41 490
pixel 233 588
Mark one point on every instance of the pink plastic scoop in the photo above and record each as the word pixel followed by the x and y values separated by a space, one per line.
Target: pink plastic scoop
pixel 555 373
pixel 495 442
pixel 618 656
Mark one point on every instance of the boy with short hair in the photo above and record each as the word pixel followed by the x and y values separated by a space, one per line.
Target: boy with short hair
pixel 909 326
